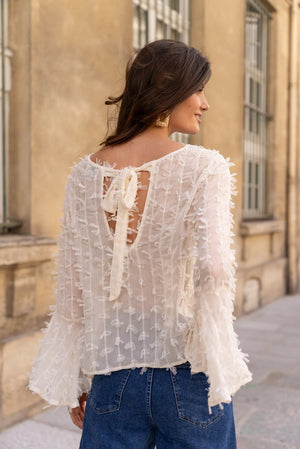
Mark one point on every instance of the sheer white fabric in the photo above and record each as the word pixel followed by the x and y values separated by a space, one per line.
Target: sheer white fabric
pixel 161 299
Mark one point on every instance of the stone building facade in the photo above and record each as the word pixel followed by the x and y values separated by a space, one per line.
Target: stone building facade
pixel 62 59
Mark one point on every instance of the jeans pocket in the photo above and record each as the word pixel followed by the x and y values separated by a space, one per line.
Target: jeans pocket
pixel 191 394
pixel 107 390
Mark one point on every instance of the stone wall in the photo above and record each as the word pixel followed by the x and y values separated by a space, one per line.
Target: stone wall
pixel 26 290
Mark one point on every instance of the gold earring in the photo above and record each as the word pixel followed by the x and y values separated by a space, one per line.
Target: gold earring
pixel 163 122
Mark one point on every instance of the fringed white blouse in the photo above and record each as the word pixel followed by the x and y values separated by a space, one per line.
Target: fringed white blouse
pixel 159 300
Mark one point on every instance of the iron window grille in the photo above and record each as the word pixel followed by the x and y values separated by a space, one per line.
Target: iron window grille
pixel 255 111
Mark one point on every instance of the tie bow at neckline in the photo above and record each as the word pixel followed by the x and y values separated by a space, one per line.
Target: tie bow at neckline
pixel 120 198
pixel 122 190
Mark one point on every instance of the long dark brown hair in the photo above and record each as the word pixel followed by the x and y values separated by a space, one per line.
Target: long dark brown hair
pixel 163 74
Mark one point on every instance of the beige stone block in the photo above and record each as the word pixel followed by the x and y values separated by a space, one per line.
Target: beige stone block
pixel 17 250
pixel 273 280
pixel 278 245
pixel 251 295
pixel 17 356
pixel 257 249
pixel 2 298
pixel 262 239
pixel 271 284
pixel 21 288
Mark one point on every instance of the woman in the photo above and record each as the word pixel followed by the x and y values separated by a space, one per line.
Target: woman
pixel 146 275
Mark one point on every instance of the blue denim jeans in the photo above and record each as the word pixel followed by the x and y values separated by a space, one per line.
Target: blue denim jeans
pixel 158 408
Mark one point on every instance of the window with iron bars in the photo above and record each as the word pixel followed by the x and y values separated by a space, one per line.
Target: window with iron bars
pixel 255 111
pixel 5 87
pixel 161 19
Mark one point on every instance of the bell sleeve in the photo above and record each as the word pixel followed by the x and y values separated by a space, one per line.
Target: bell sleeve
pixel 56 375
pixel 213 345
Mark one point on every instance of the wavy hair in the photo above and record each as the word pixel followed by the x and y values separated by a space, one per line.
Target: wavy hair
pixel 163 74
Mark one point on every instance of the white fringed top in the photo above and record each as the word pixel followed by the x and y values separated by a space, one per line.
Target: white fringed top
pixel 158 300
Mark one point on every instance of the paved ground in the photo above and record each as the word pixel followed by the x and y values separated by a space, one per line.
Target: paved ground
pixel 267 410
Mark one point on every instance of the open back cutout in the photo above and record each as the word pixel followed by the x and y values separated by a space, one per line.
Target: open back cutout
pixel 136 214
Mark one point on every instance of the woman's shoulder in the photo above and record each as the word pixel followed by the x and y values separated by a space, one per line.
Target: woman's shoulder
pixel 80 167
pixel 206 153
pixel 76 177
pixel 207 159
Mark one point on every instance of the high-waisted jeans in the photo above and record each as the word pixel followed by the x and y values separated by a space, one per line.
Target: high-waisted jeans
pixel 132 409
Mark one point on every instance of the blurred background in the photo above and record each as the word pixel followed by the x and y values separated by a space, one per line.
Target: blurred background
pixel 60 60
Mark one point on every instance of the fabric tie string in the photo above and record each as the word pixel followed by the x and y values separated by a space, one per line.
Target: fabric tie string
pixel 120 198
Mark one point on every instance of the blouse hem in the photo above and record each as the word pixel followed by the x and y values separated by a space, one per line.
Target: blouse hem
pixel 132 366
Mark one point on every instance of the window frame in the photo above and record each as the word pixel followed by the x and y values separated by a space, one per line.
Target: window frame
pixel 256 116
pixel 176 20
pixel 5 88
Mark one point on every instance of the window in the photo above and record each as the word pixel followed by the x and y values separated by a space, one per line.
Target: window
pixel 5 85
pixel 255 111
pixel 161 19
